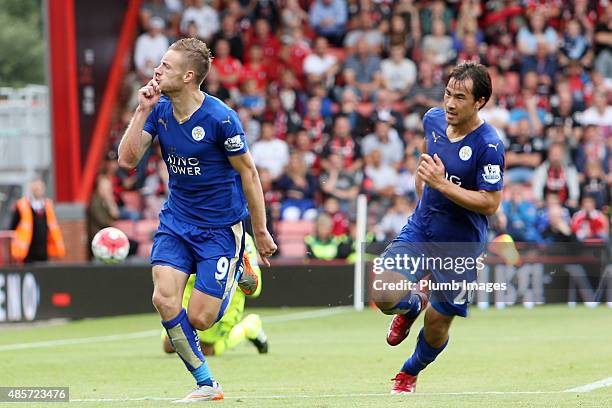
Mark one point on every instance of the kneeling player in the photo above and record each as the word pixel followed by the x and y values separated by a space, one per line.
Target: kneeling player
pixel 230 331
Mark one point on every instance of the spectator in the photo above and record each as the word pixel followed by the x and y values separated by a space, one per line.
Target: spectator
pixel 293 16
pixel 228 67
pixel 366 29
pixel 435 10
pixel 257 68
pixel 542 63
pixel 102 210
pixel 251 126
pixel 252 97
pixel 596 186
pixel 153 8
pixel 341 184
pixel 592 148
pixel 37 233
pixel 366 65
pixel 603 43
pixel 315 124
pixel 270 152
pixel 528 36
pixel 398 73
pixel 385 140
pixel 385 108
pixel 155 188
pixel 344 145
pixel 590 224
pixel 204 16
pixel 469 49
pixel 328 18
pixel 230 31
pixel 557 175
pixel 438 46
pixel 395 218
pixel 521 216
pixel 348 108
pixel 600 113
pixel 149 49
pixel 575 45
pixel 292 98
pixel 340 223
pixel 558 229
pixel 523 155
pixel 303 147
pixel 406 179
pixel 298 188
pixel 322 244
pixel 263 36
pixel 399 33
pixel 497 116
pixel 426 93
pixel 320 65
pixel 212 86
pixel 381 178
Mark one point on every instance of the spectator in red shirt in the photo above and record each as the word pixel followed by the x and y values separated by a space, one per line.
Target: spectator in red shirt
pixel 263 37
pixel 228 67
pixel 256 68
pixel 590 224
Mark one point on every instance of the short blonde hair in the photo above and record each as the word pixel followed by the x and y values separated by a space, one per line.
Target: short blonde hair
pixel 196 55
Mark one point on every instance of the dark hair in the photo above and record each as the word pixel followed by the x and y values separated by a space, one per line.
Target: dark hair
pixel 481 80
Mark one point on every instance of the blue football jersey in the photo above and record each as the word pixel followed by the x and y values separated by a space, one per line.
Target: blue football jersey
pixel 475 162
pixel 205 190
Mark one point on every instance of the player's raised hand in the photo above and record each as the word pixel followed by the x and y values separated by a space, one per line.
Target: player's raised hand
pixel 431 170
pixel 149 94
pixel 265 246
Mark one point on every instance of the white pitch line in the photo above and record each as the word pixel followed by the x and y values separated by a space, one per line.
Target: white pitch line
pixel 307 315
pixel 606 382
pixel 81 340
pixel 305 396
pixel 149 333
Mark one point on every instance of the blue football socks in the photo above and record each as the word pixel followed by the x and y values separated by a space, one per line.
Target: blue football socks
pixel 409 306
pixel 423 355
pixel 185 340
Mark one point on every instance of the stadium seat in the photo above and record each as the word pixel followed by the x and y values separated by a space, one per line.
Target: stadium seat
pixel 132 200
pixel 144 230
pixel 127 226
pixel 290 237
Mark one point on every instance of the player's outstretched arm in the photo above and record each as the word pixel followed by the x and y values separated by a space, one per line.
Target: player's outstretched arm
pixel 432 171
pixel 252 190
pixel 135 140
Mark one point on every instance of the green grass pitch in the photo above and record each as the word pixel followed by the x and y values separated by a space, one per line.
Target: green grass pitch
pixel 496 358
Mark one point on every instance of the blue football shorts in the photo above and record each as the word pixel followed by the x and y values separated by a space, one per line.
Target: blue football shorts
pixel 445 263
pixel 213 254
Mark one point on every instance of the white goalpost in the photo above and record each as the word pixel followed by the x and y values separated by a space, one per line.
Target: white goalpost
pixel 359 275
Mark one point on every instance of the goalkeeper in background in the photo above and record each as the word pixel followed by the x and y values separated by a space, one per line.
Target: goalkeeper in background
pixel 230 331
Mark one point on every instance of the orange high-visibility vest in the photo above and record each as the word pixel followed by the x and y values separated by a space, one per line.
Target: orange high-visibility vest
pixel 20 244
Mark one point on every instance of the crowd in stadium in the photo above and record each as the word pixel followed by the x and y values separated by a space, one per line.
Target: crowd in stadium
pixel 331 94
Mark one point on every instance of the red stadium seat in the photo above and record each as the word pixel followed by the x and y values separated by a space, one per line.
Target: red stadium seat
pixel 145 229
pixel 132 200
pixel 127 226
pixel 290 237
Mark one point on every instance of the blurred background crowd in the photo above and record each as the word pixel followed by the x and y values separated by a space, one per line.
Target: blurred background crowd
pixel 331 94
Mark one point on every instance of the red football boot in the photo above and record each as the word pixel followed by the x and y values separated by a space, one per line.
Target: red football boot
pixel 400 325
pixel 403 383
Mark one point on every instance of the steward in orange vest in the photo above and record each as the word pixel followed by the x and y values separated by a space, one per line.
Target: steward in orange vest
pixel 37 233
